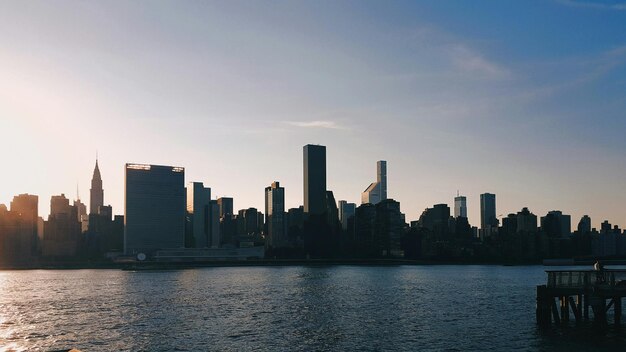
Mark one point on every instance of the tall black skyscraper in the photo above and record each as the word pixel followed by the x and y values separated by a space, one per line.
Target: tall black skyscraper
pixel 314 179
pixel 96 198
pixel 488 217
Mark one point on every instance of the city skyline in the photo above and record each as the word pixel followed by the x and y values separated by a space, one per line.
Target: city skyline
pixel 533 116
pixel 458 201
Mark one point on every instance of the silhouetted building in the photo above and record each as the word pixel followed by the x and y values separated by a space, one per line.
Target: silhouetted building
pixel 154 208
pixel 555 224
pixel 83 217
pixel 16 236
pixel 526 221
pixel 198 198
pixel 377 191
pixel 59 205
pixel 488 217
pixel 295 224
pixel 62 231
pixel 27 206
pixel 436 220
pixel 226 206
pixel 390 228
pixel 314 179
pixel 96 193
pixel 460 206
pixel 275 216
pixel 228 230
pixel 346 211
pixel 213 221
pixel 332 212
pixel 584 225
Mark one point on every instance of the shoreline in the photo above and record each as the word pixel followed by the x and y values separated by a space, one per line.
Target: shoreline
pixel 249 263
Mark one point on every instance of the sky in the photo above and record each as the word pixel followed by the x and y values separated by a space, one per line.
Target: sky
pixel 524 99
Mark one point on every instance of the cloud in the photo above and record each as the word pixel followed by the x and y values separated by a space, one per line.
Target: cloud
pixel 469 60
pixel 316 124
pixel 593 5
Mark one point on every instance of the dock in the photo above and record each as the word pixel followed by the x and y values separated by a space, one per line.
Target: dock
pixel 569 295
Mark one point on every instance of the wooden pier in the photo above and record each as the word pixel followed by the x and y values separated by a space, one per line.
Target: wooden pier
pixel 569 295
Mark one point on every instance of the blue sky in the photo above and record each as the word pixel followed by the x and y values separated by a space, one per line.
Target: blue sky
pixel 524 99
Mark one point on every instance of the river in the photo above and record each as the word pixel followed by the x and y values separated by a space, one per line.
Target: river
pixel 298 308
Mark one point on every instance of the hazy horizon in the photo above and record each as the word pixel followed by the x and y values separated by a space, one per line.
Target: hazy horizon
pixel 523 99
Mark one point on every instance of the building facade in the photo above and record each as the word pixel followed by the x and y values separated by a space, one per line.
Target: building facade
pixel 275 216
pixel 198 199
pixel 488 219
pixel 346 211
pixel 377 191
pixel 314 179
pixel 154 212
pixel 460 206
pixel 96 192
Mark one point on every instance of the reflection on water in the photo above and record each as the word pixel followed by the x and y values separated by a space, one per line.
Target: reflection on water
pixel 406 308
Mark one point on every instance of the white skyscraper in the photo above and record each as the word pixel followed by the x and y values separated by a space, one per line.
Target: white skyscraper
pixel 460 206
pixel 377 191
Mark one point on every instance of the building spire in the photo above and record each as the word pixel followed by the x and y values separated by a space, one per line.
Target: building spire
pixel 96 192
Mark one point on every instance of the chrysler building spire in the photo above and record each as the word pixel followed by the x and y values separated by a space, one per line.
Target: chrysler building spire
pixel 97 193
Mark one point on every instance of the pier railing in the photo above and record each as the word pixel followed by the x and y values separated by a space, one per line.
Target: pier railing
pixel 586 278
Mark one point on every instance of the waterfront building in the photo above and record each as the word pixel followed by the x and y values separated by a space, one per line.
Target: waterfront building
pixel 314 179
pixel 96 192
pixel 460 206
pixel 154 212
pixel 198 199
pixel 275 216
pixel 377 191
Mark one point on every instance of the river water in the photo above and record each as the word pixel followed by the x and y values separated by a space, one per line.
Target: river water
pixel 299 308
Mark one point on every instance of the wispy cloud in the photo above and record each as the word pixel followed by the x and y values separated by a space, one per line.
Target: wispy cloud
pixel 316 124
pixel 594 5
pixel 583 71
pixel 467 59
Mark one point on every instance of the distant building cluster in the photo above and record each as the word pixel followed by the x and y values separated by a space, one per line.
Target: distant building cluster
pixel 167 220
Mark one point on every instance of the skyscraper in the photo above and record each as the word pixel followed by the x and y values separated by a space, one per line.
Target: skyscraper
pixel 584 225
pixel 314 179
pixel 26 205
pixel 213 221
pixel 346 210
pixel 377 191
pixel 198 198
pixel 96 193
pixel 275 215
pixel 154 208
pixel 488 217
pixel 226 206
pixel 556 224
pixel 460 206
